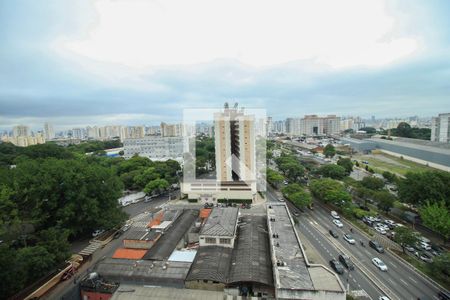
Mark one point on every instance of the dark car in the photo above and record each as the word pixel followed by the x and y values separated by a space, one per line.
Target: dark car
pixel 345 260
pixel 376 245
pixel 443 295
pixel 333 233
pixel 336 265
pixel 117 234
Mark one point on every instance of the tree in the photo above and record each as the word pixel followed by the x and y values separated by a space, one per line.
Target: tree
pixel 405 236
pixel 417 188
pixel 441 264
pixel 332 171
pixel 301 198
pixel 143 178
pixel 291 189
pixel 436 216
pixel 329 151
pixel 121 152
pixel 329 190
pixel 35 261
pixel 385 200
pixel 372 183
pixel 274 178
pixel 404 130
pixel 346 163
pixel 156 186
pixel 390 177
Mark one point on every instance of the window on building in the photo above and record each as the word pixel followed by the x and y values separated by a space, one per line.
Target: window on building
pixel 210 240
pixel 225 241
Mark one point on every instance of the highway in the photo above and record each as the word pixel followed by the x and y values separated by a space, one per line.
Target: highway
pixel 399 282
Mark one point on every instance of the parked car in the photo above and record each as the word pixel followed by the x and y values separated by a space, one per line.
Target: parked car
pixel 335 215
pixel 410 248
pixel 376 245
pixel 379 264
pixel 281 199
pixel 338 223
pixel 424 246
pixel 424 257
pixel 383 298
pixel 349 239
pixel 117 234
pixel 380 230
pixel 337 266
pixel 97 232
pixel 333 233
pixel 346 261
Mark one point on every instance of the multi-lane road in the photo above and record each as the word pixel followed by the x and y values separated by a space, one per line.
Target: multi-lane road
pixel 399 282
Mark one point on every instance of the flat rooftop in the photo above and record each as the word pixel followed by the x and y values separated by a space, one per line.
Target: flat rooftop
pixel 221 222
pixel 289 267
pixel 292 270
pixel 139 292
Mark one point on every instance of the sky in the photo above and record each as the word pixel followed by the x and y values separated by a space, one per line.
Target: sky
pixel 132 62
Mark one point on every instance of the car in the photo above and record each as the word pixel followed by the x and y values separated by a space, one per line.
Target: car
pixel 295 213
pixel 338 223
pixel 117 234
pixel 125 227
pixel 346 261
pixel 376 245
pixel 336 265
pixel 335 215
pixel 424 257
pixel 97 232
pixel 379 264
pixel 281 199
pixel 443 295
pixel 424 246
pixel 410 248
pixel 349 239
pixel 333 233
pixel 383 298
pixel 424 239
pixel 380 230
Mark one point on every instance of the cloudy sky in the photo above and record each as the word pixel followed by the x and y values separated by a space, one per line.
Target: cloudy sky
pixel 86 62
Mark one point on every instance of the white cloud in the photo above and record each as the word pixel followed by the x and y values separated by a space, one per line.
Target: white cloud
pixel 260 33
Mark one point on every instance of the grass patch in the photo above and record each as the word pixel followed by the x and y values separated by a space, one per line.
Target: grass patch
pixel 424 268
pixel 381 162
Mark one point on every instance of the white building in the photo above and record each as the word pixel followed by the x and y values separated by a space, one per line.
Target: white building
pixel 48 131
pixel 440 128
pixel 155 147
pixel 314 125
pixel 21 130
pixel 220 228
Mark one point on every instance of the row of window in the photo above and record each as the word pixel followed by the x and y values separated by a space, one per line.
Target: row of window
pixel 224 241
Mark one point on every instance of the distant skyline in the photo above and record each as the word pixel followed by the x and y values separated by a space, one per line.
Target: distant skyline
pixel 76 63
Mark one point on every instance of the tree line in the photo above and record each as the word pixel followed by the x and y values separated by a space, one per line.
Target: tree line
pixel 51 195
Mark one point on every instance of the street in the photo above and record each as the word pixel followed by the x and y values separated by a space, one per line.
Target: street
pixel 399 282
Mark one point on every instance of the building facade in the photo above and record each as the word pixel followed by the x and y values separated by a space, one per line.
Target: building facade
pixel 312 125
pixel 440 128
pixel 154 147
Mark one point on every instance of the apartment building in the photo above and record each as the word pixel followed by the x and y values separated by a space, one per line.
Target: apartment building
pixel 440 128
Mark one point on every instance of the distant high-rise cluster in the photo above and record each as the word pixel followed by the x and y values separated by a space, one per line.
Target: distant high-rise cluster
pixel 23 137
pixel 440 128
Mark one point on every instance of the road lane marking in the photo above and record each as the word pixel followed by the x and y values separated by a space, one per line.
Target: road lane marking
pixel 412 280
pixel 404 282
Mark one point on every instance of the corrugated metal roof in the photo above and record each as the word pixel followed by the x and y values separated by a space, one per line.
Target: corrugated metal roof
pixel 184 256
pixel 211 263
pixel 251 260
pixel 169 240
pixel 221 222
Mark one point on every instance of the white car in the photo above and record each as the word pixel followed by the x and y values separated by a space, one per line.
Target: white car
pixel 338 223
pixel 335 215
pixel 380 230
pixel 281 199
pixel 389 222
pixel 379 264
pixel 383 298
pixel 97 232
pixel 424 246
pixel 349 239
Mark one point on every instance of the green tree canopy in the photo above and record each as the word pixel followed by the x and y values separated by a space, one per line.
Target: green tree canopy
pixel 346 163
pixel 329 190
pixel 329 151
pixel 301 198
pixel 391 177
pixel 274 178
pixel 404 130
pixel 156 186
pixel 436 216
pixel 405 236
pixel 332 171
pixel 385 200
pixel 372 183
pixel 417 188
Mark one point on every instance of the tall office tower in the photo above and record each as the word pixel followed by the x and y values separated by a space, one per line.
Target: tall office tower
pixel 235 145
pixel 49 133
pixel 21 130
pixel 440 128
pixel 293 126
pixel 78 133
pixel 171 130
pixel 279 126
pixel 269 128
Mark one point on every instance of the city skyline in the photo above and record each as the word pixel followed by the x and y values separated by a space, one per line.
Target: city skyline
pixel 73 69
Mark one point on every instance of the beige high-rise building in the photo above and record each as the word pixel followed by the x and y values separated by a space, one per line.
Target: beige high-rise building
pixel 21 130
pixel 171 130
pixel 440 128
pixel 235 146
pixel 49 132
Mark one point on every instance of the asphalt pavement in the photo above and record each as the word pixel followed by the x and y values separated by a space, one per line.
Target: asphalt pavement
pixel 399 282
